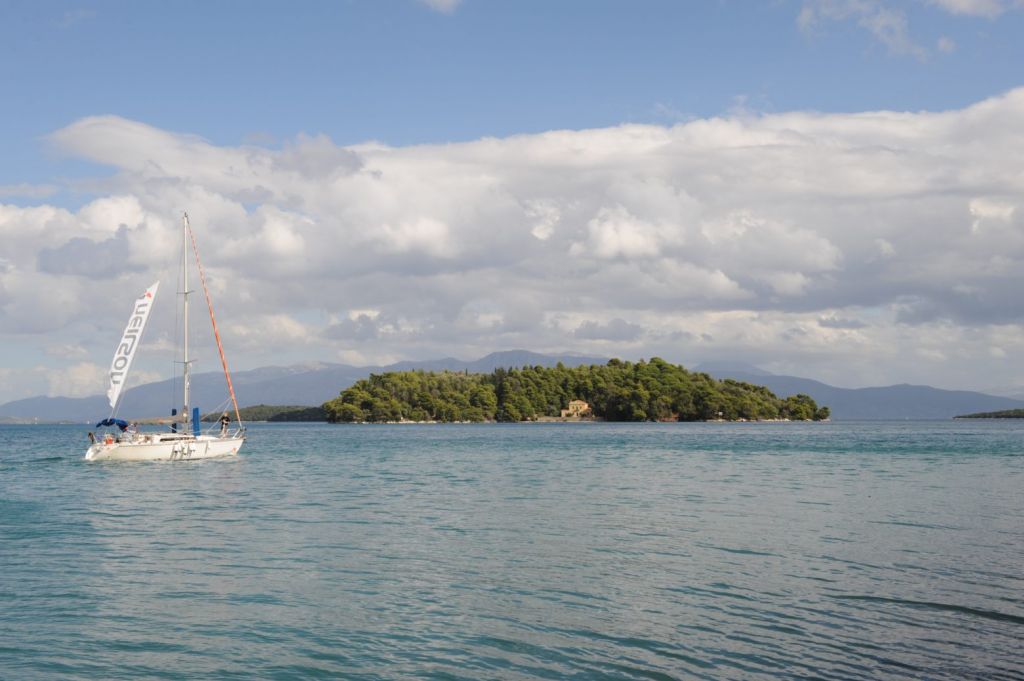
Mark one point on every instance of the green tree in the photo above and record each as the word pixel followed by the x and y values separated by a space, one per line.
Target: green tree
pixel 617 391
pixel 799 408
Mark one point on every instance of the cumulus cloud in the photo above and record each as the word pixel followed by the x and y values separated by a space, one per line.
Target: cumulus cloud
pixel 273 330
pixel 615 330
pixel 614 233
pixel 66 351
pixel 834 322
pixel 831 237
pixel 79 379
pixel 85 257
pixel 360 327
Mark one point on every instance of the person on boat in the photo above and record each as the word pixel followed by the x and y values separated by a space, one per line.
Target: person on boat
pixel 224 420
pixel 92 438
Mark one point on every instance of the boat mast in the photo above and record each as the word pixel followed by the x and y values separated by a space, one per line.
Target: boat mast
pixel 186 415
pixel 213 322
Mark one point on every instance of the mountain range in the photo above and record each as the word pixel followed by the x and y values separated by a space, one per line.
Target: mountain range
pixel 314 384
pixel 304 384
pixel 899 402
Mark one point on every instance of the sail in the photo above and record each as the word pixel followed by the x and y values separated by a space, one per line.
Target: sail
pixel 125 352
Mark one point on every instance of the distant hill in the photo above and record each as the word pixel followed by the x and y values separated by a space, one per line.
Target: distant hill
pixel 496 360
pixel 14 421
pixel 890 402
pixel 301 385
pixel 268 412
pixel 313 384
pixel 1008 414
pixel 726 366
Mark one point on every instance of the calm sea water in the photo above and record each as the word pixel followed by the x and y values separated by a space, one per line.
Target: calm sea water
pixel 654 551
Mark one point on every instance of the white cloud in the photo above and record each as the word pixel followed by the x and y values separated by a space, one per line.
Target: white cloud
pixel 788 283
pixel 886 24
pixel 269 332
pixel 545 216
pixel 977 8
pixel 77 380
pixel 443 6
pixel 28 191
pixel 735 234
pixel 614 233
pixel 617 329
pixel 889 27
pixel 67 351
pixel 422 235
pixel 986 210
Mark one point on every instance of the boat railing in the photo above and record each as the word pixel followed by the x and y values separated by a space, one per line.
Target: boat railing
pixel 133 436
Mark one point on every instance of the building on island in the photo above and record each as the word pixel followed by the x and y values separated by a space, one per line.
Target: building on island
pixel 577 409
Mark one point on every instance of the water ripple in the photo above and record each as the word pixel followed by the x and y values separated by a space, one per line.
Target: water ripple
pixel 948 607
pixel 832 551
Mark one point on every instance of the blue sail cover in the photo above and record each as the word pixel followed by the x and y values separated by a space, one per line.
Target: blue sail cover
pixel 112 422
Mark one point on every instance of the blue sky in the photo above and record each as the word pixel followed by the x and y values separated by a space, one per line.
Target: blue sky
pixel 404 73
pixel 821 187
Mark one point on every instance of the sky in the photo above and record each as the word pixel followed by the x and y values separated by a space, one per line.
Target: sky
pixel 823 188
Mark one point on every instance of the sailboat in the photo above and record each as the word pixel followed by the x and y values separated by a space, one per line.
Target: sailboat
pixel 184 440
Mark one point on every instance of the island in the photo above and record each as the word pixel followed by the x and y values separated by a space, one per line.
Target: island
pixel 652 390
pixel 1006 414
pixel 272 413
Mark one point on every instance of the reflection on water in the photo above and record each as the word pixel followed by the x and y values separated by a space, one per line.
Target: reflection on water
pixel 652 551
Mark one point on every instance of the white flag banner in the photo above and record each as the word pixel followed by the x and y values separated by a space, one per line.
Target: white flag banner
pixel 125 352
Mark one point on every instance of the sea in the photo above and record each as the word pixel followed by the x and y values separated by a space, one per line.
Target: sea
pixel 837 550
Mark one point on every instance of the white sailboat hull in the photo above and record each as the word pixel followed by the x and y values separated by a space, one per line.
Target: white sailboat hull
pixel 188 444
pixel 165 448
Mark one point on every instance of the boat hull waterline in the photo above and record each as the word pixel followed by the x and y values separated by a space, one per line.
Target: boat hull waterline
pixel 182 448
pixel 186 444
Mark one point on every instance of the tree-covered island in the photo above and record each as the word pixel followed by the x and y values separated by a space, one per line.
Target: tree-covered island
pixel 1005 414
pixel 272 413
pixel 616 391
